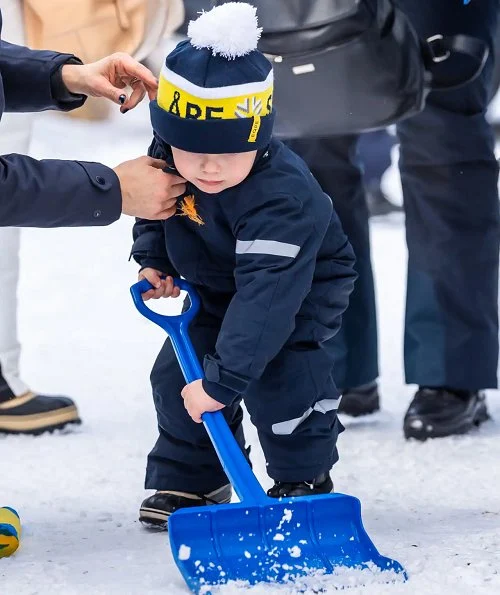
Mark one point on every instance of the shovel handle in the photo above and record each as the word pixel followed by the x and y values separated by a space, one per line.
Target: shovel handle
pixel 175 326
pixel 233 461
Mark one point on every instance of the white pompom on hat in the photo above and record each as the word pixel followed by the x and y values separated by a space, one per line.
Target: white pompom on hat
pixel 230 30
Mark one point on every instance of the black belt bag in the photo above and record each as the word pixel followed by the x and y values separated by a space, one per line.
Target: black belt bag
pixel 345 66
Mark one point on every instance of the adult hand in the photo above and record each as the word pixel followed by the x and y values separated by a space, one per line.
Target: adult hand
pixel 147 191
pixel 197 401
pixel 108 77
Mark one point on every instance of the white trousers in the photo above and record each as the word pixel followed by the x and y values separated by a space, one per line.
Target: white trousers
pixel 15 136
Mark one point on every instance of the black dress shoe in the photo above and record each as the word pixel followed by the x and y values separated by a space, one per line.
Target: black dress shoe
pixel 361 400
pixel 321 485
pixel 156 509
pixel 439 412
pixel 34 414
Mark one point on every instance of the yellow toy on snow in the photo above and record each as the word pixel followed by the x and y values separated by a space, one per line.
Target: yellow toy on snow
pixel 10 531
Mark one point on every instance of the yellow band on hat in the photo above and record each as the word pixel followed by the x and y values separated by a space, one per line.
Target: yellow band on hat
pixel 180 103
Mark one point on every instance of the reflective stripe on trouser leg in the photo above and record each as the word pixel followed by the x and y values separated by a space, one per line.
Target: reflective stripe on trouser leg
pixel 284 428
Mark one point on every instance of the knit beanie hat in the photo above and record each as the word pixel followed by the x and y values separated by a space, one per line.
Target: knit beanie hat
pixel 215 89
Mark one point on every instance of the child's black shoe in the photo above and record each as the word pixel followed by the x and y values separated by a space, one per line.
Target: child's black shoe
pixel 321 485
pixel 156 509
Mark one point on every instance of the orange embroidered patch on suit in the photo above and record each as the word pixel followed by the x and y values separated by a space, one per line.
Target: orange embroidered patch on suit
pixel 187 208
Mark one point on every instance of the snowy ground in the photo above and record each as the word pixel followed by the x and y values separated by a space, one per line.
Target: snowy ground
pixel 433 506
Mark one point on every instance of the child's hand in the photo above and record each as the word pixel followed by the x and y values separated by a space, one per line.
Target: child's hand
pixel 197 401
pixel 162 287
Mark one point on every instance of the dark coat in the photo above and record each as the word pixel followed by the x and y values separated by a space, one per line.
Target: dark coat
pixel 48 193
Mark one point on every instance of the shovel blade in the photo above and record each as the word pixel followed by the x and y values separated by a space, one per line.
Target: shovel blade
pixel 273 541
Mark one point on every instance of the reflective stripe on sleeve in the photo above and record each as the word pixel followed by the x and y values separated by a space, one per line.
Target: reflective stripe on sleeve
pixel 269 247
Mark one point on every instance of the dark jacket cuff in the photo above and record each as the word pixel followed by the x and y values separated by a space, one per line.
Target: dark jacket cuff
pixel 222 384
pixel 105 205
pixel 220 393
pixel 66 101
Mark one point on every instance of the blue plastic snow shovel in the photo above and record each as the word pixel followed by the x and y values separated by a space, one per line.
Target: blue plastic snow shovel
pixel 260 539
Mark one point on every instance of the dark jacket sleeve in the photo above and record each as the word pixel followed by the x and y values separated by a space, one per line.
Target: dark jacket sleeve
pixel 53 193
pixel 30 79
pixel 276 251
pixel 149 248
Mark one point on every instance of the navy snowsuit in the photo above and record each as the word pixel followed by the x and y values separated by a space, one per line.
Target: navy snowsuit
pixel 274 271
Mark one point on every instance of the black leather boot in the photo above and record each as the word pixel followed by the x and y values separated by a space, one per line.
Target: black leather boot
pixel 361 400
pixel 439 412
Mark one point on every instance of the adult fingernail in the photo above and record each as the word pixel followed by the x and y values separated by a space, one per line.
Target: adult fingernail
pixel 122 99
pixel 124 111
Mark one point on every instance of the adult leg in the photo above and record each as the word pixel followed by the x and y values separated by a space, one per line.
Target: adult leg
pixel 15 138
pixel 449 175
pixel 333 162
pixel 21 411
pixel 375 155
pixel 11 384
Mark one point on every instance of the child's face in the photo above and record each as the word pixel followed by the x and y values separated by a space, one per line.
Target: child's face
pixel 213 173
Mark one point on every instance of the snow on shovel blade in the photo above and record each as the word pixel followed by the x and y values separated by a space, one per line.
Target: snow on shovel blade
pixel 273 541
